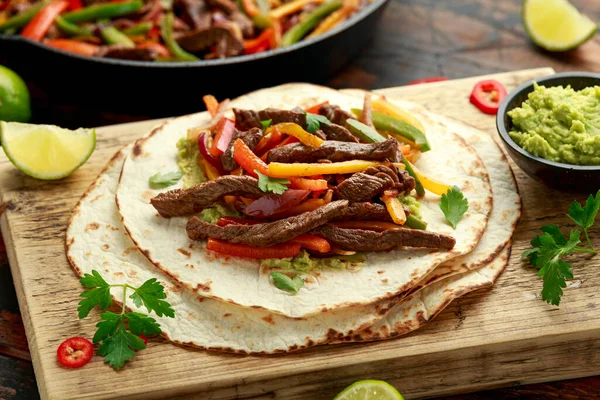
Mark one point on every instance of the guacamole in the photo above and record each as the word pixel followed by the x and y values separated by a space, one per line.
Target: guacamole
pixel 412 204
pixel 303 262
pixel 187 153
pixel 559 124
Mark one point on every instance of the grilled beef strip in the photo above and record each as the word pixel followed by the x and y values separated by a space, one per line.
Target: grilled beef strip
pixel 367 211
pixel 269 233
pixel 218 35
pixel 195 13
pixel 335 114
pixel 246 119
pixel 364 186
pixel 127 53
pixel 335 151
pixel 338 132
pixel 230 9
pixel 364 240
pixel 250 138
pixel 182 202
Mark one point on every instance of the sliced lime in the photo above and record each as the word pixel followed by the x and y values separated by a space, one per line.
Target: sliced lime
pixel 46 151
pixel 14 97
pixel 556 25
pixel 369 390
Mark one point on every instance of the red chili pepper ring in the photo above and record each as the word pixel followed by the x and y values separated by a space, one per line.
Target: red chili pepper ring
pixel 487 96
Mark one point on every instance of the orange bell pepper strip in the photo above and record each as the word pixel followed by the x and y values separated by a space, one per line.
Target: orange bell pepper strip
pixel 85 49
pixel 268 142
pixel 378 226
pixel 289 128
pixel 250 162
pixel 211 103
pixel 395 209
pixel 312 242
pixel 225 131
pixel 290 8
pixel 261 43
pixel 211 172
pixel 39 25
pixel 284 250
pixel 283 170
pixel 315 109
pixel 251 8
pixel 286 141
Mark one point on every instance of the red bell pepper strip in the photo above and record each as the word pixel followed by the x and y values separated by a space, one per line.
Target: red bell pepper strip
pixel 204 151
pixel 268 142
pixel 428 80
pixel 4 5
pixel 272 204
pixel 315 109
pixel 261 43
pixel 226 220
pixel 75 5
pixel 225 131
pixel 487 96
pixel 85 49
pixel 39 25
pixel 161 50
pixel 284 250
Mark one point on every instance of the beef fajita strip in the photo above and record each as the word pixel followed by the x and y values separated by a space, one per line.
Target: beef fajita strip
pixel 250 139
pixel 367 211
pixel 270 233
pixel 367 185
pixel 364 240
pixel 338 132
pixel 182 202
pixel 335 114
pixel 247 119
pixel 335 151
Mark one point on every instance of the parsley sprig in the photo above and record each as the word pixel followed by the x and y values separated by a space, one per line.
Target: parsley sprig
pixel 119 334
pixel 454 205
pixel 314 121
pixel 273 185
pixel 549 249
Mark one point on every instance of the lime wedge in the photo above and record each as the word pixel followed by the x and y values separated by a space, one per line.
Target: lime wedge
pixel 556 25
pixel 46 151
pixel 369 390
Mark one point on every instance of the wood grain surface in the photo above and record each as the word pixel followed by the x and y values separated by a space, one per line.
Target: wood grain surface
pixel 417 38
pixel 493 337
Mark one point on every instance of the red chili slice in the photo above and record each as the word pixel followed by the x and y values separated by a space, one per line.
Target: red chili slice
pixel 144 339
pixel 75 352
pixel 487 96
pixel 428 80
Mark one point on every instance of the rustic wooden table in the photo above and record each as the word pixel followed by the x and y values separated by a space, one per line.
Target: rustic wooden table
pixel 417 38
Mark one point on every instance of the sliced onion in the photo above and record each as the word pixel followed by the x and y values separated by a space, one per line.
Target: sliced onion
pixel 203 148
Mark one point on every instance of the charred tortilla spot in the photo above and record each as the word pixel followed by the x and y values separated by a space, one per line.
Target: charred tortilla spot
pixel 184 252
pixel 137 149
pixel 105 246
pixel 96 198
pixel 269 319
pixel 380 272
pixel 92 226
pixel 128 250
pixel 204 287
pixel 226 315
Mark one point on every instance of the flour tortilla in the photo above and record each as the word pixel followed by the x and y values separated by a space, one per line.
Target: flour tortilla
pixel 506 212
pixel 243 282
pixel 96 240
pixel 422 307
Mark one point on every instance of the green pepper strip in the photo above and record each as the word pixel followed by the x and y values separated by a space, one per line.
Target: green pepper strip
pixel 112 35
pixel 166 30
pixel 363 132
pixel 22 19
pixel 104 10
pixel 418 185
pixel 298 31
pixel 262 20
pixel 415 223
pixel 140 29
pixel 398 127
pixel 71 29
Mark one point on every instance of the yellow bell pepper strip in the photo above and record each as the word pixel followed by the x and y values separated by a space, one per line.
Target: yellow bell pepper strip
pixel 399 127
pixel 211 172
pixel 290 8
pixel 363 132
pixel 385 107
pixel 394 207
pixel 418 185
pixel 298 31
pixel 415 223
pixel 103 10
pixel 335 19
pixel 428 183
pixel 283 170
pixel 295 130
pixel 166 30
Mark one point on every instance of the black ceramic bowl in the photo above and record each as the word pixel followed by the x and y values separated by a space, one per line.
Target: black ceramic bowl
pixel 176 88
pixel 553 174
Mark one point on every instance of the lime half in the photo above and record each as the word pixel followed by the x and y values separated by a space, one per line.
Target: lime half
pixel 556 25
pixel 14 97
pixel 46 151
pixel 369 390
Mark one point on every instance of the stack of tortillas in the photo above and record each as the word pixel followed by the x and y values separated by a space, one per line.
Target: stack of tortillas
pixel 230 304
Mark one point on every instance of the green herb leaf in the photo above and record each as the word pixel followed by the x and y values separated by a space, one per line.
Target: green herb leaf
pixel 98 296
pixel 142 324
pixel 151 295
pixel 120 347
pixel 314 121
pixel 159 180
pixel 454 205
pixel 585 216
pixel 265 124
pixel 274 185
pixel 108 326
pixel 284 282
pixel 555 271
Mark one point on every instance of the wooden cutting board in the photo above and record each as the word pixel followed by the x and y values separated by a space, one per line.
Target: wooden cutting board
pixel 491 338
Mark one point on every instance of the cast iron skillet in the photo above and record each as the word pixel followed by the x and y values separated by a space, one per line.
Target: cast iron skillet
pixel 165 89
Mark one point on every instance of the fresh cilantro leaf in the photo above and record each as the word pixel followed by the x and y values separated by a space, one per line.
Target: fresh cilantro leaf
pixel 265 124
pixel 274 185
pixel 314 121
pixel 142 324
pixel 108 326
pixel 151 295
pixel 284 282
pixel 159 180
pixel 585 216
pixel 555 273
pixel 98 296
pixel 454 205
pixel 120 347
